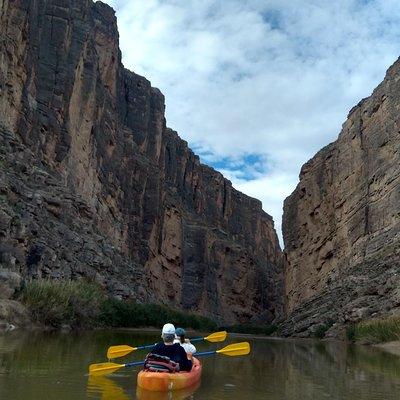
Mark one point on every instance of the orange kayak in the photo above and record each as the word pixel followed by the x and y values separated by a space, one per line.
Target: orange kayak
pixel 182 394
pixel 165 381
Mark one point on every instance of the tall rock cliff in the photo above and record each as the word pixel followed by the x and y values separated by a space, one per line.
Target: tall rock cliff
pixel 341 225
pixel 93 183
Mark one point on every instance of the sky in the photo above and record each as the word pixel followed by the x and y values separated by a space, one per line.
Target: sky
pixel 258 87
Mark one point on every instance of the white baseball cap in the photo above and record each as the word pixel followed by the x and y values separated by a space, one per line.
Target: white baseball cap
pixel 168 329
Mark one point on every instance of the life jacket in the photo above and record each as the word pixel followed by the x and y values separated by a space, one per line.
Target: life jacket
pixel 157 363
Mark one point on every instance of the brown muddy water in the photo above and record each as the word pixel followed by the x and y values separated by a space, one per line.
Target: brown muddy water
pixel 39 366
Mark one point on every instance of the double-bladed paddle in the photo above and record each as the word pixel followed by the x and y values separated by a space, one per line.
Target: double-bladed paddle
pixel 123 349
pixel 235 349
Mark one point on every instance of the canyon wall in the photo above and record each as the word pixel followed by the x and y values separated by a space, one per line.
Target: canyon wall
pixel 94 185
pixel 341 225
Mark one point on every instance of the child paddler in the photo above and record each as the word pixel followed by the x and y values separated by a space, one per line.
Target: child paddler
pixel 180 337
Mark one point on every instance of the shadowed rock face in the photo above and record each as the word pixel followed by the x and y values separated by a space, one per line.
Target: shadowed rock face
pixel 94 184
pixel 341 225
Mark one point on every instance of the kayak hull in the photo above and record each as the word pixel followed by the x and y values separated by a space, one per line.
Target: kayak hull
pixel 182 394
pixel 164 381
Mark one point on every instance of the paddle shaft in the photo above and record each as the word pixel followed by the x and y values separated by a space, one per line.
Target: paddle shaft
pixel 197 339
pixel 123 350
pixel 136 363
pixel 150 346
pixel 205 353
pixel 234 349
pixel 133 364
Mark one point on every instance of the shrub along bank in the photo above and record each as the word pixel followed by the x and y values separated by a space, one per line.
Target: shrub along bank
pixel 378 330
pixel 117 313
pixel 79 304
pixel 82 305
pixel 57 303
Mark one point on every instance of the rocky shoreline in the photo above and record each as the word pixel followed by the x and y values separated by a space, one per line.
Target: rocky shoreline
pixel 390 347
pixel 12 313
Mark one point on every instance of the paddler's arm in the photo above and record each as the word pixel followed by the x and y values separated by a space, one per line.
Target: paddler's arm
pixel 185 364
pixel 191 349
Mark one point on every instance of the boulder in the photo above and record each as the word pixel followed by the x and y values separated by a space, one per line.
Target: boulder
pixel 10 282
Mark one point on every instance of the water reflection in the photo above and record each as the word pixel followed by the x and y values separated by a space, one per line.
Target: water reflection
pixel 105 388
pixel 182 394
pixel 48 365
pixel 305 370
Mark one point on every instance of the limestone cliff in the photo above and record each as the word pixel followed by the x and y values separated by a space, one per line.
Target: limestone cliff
pixel 341 225
pixel 93 183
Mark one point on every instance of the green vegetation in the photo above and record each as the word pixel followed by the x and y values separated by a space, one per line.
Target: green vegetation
pixel 117 313
pixel 80 304
pixel 322 329
pixel 253 329
pixel 57 303
pixel 378 330
pixel 351 333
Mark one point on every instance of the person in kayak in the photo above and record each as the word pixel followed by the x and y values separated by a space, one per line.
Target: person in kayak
pixel 180 337
pixel 172 350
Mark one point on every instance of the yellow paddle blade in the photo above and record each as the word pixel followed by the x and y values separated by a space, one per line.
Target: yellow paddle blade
pixel 216 337
pixel 236 349
pixel 119 351
pixel 104 368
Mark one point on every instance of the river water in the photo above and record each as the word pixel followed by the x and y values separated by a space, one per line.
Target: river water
pixel 40 366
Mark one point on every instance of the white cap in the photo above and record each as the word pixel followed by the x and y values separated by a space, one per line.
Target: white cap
pixel 168 329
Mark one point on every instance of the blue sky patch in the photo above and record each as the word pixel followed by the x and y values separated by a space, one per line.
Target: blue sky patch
pixel 273 18
pixel 246 167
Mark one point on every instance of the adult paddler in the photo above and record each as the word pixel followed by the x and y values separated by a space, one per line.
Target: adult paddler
pixel 172 350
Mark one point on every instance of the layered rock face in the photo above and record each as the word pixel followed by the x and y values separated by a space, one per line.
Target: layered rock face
pixel 93 183
pixel 341 225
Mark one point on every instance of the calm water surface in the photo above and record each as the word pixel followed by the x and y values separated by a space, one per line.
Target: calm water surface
pixel 54 366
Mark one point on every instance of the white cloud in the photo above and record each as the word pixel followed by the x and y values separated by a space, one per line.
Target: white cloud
pixel 269 77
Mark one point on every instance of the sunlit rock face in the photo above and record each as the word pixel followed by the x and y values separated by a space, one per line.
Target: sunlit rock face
pixel 341 225
pixel 93 184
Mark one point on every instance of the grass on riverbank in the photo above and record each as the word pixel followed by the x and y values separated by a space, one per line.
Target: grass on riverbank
pixel 378 330
pixel 56 303
pixel 80 304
